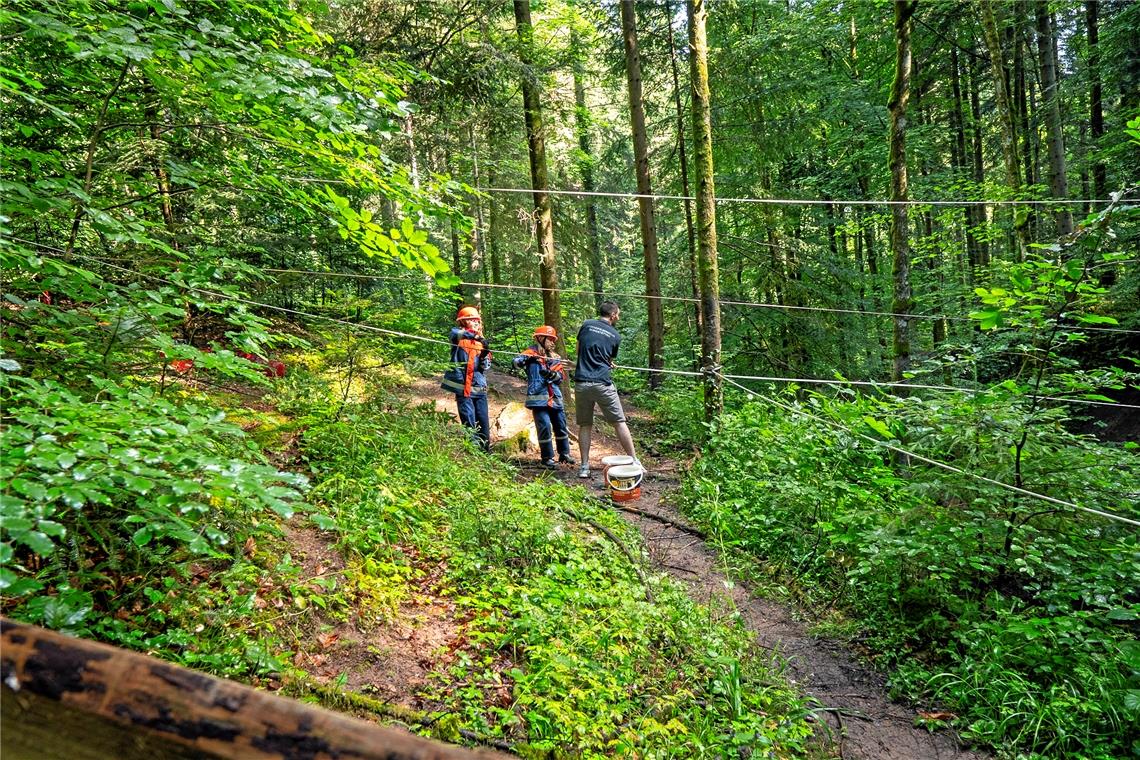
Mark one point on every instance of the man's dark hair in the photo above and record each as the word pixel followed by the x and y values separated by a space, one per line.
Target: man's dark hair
pixel 607 309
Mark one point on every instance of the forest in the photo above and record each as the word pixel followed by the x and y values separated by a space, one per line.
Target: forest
pixel 878 265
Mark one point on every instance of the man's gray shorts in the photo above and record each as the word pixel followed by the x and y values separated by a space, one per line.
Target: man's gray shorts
pixel 605 396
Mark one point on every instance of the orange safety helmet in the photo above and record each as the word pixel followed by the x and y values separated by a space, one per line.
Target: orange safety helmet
pixel 467 312
pixel 546 331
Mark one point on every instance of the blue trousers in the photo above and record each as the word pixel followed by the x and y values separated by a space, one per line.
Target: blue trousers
pixel 473 413
pixel 551 427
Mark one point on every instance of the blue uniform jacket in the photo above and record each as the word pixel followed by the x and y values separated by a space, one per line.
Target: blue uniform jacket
pixel 541 392
pixel 469 363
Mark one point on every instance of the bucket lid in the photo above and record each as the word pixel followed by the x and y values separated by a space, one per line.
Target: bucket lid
pixel 615 460
pixel 625 471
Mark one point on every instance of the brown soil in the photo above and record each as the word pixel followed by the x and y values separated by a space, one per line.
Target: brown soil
pixel 389 658
pixel 852 698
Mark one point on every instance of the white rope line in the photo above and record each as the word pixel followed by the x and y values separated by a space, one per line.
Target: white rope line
pixel 686 373
pixel 685 299
pixel 643 296
pixel 933 462
pixel 229 297
pixel 920 386
pixel 873 384
pixel 249 302
pixel 766 201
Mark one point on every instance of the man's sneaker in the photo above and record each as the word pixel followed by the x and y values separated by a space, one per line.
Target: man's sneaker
pixel 584 471
pixel 549 464
pixel 567 460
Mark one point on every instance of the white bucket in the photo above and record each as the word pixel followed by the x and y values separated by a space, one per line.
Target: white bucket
pixel 624 481
pixel 614 460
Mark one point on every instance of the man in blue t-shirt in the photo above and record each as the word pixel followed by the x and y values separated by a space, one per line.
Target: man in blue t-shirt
pixel 598 343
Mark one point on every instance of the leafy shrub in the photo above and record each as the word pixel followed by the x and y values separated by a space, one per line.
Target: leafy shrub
pixel 1011 613
pixel 108 500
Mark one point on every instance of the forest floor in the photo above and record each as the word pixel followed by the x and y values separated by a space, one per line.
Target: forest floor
pixel 852 698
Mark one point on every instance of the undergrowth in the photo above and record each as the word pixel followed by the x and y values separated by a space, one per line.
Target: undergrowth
pixel 1020 620
pixel 116 530
pixel 566 650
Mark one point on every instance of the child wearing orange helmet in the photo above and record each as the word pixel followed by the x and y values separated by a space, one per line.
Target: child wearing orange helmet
pixel 466 377
pixel 544 376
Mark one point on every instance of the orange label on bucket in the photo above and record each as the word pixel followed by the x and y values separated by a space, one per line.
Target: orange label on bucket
pixel 624 482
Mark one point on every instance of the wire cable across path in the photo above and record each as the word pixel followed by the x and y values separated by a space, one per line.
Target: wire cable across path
pixel 928 460
pixel 665 371
pixel 727 378
pixel 684 299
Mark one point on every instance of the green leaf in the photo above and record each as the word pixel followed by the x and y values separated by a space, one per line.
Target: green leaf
pixel 51 528
pixel 987 319
pixel 323 521
pixel 140 485
pixel 1096 319
pixel 36 541
pixel 878 427
pixel 30 489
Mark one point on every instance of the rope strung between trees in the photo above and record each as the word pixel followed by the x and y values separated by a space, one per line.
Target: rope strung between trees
pixel 872 384
pixel 685 299
pixel 754 304
pixel 927 460
pixel 685 373
pixel 713 370
pixel 766 201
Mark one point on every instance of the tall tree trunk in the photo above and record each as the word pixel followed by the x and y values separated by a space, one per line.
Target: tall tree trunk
pixel 900 243
pixel 644 189
pixel 456 262
pixel 586 166
pixel 478 244
pixel 494 212
pixel 1051 94
pixel 1006 117
pixel 536 142
pixel 162 179
pixel 961 160
pixel 981 215
pixel 684 161
pixel 1096 111
pixel 413 161
pixel 706 206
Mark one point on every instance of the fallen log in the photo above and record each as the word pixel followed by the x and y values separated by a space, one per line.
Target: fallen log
pixel 76 699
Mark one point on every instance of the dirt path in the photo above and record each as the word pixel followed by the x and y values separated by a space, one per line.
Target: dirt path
pixel 864 723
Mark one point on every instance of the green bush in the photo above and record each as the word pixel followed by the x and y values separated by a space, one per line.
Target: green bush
pixel 1013 614
pixel 108 501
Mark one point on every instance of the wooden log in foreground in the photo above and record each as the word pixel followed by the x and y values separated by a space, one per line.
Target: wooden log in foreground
pixel 76 699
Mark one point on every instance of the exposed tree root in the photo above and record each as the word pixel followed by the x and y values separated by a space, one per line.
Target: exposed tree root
pixel 663 520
